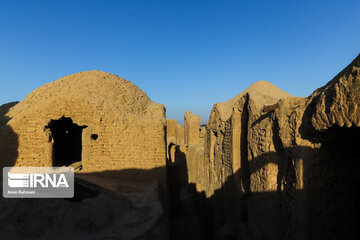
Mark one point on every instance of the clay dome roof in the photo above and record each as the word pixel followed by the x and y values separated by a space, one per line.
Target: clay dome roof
pixel 262 91
pixel 94 84
pixel 88 87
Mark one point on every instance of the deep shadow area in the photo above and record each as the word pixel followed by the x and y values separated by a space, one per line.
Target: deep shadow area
pixel 333 186
pixel 67 147
pixel 8 138
pixel 325 205
pixel 83 190
pixel 333 209
pixel 185 220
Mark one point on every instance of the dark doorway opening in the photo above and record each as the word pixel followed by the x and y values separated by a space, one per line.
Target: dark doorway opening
pixel 67 145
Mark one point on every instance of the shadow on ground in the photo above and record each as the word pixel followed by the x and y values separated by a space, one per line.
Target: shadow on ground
pixel 130 204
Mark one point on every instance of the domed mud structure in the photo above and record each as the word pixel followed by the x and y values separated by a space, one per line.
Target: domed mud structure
pixel 94 120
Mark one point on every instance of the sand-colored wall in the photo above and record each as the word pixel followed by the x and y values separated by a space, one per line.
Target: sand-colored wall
pixel 179 134
pixel 127 138
pixel 285 173
pixel 192 128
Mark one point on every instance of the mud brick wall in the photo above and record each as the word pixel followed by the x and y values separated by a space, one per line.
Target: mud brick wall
pixel 130 128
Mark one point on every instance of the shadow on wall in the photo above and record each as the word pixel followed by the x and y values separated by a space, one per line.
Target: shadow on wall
pixel 8 138
pixel 325 206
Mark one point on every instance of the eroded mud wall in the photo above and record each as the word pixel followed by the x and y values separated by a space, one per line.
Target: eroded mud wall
pixel 283 167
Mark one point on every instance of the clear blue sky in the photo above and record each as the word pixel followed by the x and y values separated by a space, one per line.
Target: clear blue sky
pixel 185 54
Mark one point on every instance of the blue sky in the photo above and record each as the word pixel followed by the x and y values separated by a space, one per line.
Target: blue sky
pixel 185 54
